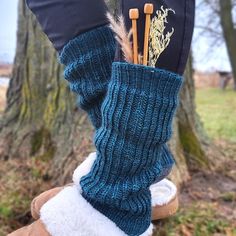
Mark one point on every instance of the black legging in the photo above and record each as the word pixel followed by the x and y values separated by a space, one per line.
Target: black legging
pixel 175 56
pixel 62 20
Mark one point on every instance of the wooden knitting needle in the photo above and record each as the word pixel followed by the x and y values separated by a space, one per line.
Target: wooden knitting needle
pixel 134 15
pixel 148 10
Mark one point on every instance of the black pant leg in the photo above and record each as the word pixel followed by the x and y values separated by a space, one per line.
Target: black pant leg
pixel 62 20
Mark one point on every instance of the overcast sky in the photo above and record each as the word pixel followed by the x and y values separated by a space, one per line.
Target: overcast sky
pixel 8 23
pixel 204 57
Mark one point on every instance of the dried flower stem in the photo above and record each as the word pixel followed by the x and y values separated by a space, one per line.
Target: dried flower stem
pixel 158 40
pixel 122 36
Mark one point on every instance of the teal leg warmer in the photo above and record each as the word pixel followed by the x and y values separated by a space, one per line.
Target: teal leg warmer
pixel 88 60
pixel 137 115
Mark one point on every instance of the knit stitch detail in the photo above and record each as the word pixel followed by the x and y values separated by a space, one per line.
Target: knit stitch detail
pixel 87 60
pixel 137 116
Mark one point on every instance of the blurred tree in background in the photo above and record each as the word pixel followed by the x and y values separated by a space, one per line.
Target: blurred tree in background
pixel 41 118
pixel 229 32
pixel 42 121
pixel 220 25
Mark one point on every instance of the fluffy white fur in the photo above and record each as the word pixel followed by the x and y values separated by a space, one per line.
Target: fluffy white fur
pixel 83 169
pixel 69 214
pixel 163 192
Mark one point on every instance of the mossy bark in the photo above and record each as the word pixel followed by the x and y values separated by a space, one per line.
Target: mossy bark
pixel 42 120
pixel 188 142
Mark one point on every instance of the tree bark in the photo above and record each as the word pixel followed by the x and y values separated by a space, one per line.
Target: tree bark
pixel 229 32
pixel 188 141
pixel 41 114
pixel 41 120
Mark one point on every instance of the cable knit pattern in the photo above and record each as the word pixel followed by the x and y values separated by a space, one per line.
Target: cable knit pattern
pixel 137 116
pixel 88 60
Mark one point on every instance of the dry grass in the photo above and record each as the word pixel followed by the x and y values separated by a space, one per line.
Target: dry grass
pixel 5 70
pixel 208 80
pixel 20 182
pixel 208 200
pixel 217 110
pixel 3 91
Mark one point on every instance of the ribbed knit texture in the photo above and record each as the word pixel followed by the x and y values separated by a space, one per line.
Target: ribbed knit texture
pixel 137 116
pixel 88 60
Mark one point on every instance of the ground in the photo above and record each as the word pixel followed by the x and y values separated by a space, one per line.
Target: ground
pixel 207 201
pixel 217 110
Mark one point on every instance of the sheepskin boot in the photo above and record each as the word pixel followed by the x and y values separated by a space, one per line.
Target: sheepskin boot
pixel 37 228
pixel 163 193
pixel 67 213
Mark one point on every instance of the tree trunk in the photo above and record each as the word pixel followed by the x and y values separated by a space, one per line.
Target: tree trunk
pixel 41 113
pixel 229 31
pixel 41 120
pixel 187 143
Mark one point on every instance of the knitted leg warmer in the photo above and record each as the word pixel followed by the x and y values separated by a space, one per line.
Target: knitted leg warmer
pixel 137 115
pixel 88 60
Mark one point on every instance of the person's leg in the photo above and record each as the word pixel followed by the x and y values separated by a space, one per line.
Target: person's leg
pixel 137 117
pixel 63 21
pixel 163 193
pixel 89 57
pixel 86 47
